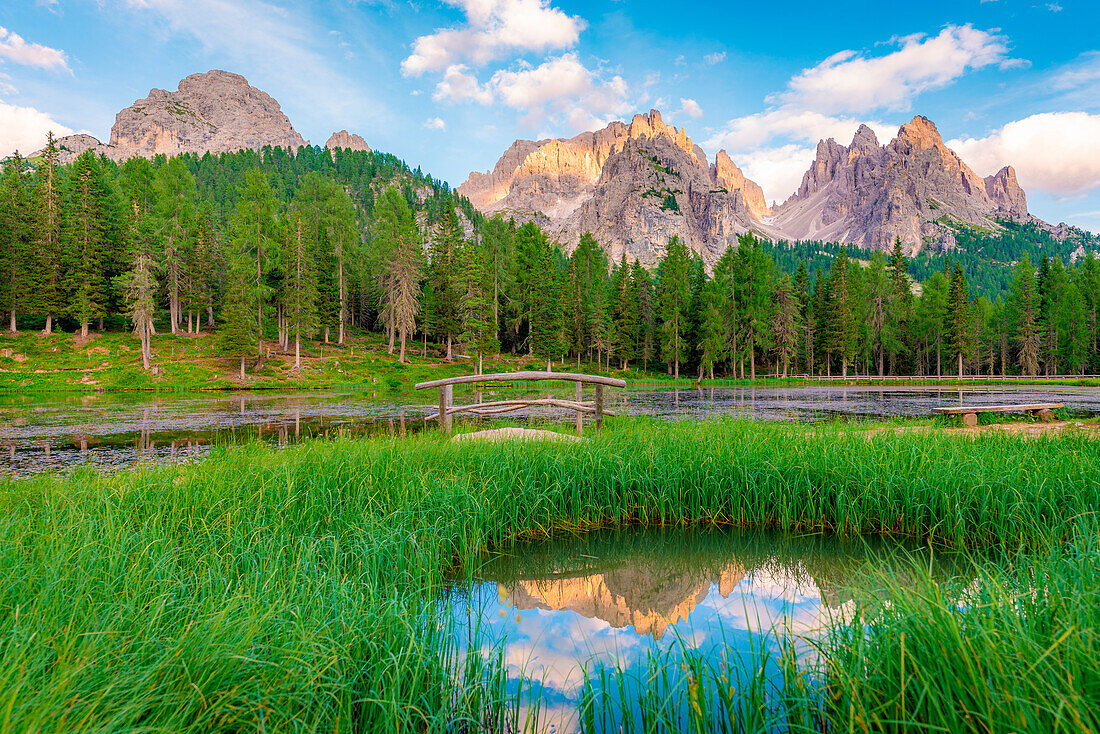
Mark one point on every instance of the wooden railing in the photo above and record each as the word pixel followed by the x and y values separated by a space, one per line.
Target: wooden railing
pixel 581 407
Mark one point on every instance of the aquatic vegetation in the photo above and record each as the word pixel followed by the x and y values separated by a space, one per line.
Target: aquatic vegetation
pixel 296 590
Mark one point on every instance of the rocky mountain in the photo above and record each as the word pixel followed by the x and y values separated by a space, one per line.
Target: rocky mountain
pixel 915 188
pixel 348 141
pixel 634 186
pixel 217 111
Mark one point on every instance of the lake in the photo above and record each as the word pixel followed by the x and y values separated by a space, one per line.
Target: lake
pixel 110 430
pixel 632 601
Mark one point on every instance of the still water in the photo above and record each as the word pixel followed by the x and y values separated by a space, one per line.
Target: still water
pixel 108 430
pixel 559 610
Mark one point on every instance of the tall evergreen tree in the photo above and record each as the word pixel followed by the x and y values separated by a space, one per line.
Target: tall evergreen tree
pixel 1025 310
pixel 16 239
pixel 398 240
pixel 175 194
pixel 446 278
pixel 299 287
pixel 84 241
pixel 625 343
pixel 49 271
pixel 960 334
pixel 139 286
pixel 239 334
pixel 673 296
pixel 253 233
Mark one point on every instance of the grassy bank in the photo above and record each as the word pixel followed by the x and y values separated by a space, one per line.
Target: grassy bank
pixel 292 590
pixel 62 362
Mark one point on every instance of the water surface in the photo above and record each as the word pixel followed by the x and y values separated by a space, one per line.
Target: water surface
pixel 108 430
pixel 630 599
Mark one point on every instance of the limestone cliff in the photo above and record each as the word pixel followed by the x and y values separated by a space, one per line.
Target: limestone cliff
pixel 347 141
pixel 915 188
pixel 217 112
pixel 633 185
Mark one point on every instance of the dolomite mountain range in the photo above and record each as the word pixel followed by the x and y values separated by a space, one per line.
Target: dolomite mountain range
pixel 633 185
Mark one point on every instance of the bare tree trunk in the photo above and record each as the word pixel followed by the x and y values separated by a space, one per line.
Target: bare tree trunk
pixel 960 365
pixel 297 350
pixel 242 368
pixel 12 328
pixel 449 353
pixel 210 316
pixel 49 323
pixel 343 302
pixel 401 358
pixel 100 325
pixel 752 364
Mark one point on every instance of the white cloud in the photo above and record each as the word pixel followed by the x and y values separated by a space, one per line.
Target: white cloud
pixel 493 29
pixel 715 58
pixel 24 129
pixel 752 131
pixel 13 48
pixel 778 169
pixel 690 108
pixel 434 123
pixel 459 85
pixel 850 81
pixel 1054 152
pixel 562 88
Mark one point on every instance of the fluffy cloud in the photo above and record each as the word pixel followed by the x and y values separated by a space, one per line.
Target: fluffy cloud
pixel 1054 152
pixel 13 48
pixel 459 85
pixel 24 129
pixel 778 167
pixel 850 81
pixel 493 29
pixel 690 108
pixel 752 131
pixel 715 58
pixel 562 88
pixel 435 123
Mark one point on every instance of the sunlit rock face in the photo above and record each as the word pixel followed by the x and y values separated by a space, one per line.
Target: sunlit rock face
pixel 347 141
pixel 914 188
pixel 636 185
pixel 632 185
pixel 213 112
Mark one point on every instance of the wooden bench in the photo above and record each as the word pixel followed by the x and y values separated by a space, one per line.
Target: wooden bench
pixel 1044 411
pixel 595 407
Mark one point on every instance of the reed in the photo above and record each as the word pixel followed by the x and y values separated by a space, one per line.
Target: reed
pixel 295 590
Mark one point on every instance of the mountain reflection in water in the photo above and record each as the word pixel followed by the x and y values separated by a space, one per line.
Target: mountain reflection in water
pixel 560 609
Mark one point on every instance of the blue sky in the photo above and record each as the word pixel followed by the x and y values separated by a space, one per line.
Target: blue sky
pixel 449 85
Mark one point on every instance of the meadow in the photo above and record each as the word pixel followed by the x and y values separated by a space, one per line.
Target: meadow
pixel 295 590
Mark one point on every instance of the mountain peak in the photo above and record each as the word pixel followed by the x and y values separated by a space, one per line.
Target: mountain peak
pixel 921 132
pixel 865 139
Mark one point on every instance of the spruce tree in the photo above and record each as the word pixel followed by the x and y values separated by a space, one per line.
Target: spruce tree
pixel 299 286
pixel 47 298
pixel 1025 309
pixel 626 314
pixel 84 241
pixel 252 228
pixel 398 243
pixel 960 335
pixel 139 285
pixel 175 194
pixel 16 238
pixel 239 333
pixel 785 324
pixel 673 296
pixel 446 278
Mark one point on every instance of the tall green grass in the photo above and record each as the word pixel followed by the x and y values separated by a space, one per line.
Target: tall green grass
pixel 295 590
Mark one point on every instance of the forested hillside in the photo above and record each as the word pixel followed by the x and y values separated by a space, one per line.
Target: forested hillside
pixel 269 249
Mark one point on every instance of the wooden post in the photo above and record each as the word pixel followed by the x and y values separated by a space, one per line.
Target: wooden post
pixel 599 406
pixel 580 415
pixel 445 395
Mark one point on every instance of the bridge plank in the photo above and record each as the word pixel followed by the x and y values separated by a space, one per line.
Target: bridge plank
pixel 523 377
pixel 998 408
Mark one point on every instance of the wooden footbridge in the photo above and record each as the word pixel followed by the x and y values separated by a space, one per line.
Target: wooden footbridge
pixel 594 407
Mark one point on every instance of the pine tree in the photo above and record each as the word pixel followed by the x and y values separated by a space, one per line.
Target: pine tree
pixel 960 335
pixel 299 287
pixel 445 277
pixel 139 286
pixel 785 324
pixel 673 296
pixel 625 341
pixel 899 314
pixel 547 318
pixel 84 237
pixel 240 331
pixel 175 194
pixel 1025 308
pixel 253 233
pixel 712 336
pixel 16 238
pixel 842 332
pixel 398 241
pixel 47 286
pixel 478 317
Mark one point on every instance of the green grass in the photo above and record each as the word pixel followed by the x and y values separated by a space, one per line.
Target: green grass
pixel 293 590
